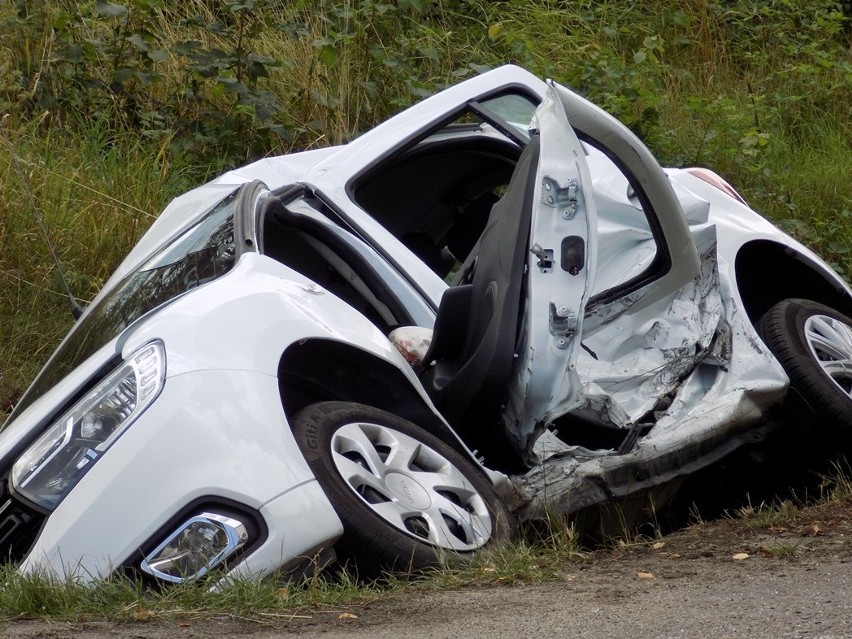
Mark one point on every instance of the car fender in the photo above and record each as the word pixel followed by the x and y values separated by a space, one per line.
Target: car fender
pixel 247 319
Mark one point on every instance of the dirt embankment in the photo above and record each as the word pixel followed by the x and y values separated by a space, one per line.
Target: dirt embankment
pixel 786 575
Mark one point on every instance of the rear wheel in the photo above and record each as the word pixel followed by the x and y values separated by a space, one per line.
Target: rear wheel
pixel 814 345
pixel 406 498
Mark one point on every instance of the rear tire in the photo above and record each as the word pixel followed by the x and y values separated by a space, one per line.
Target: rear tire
pixel 814 345
pixel 407 500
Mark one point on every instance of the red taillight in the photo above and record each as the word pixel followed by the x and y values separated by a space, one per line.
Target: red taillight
pixel 712 178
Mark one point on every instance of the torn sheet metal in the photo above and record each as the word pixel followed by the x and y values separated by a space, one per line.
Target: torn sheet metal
pixel 631 365
pixel 689 365
pixel 635 351
pixel 716 397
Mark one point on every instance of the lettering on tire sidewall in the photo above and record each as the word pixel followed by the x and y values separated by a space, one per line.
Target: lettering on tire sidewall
pixel 311 436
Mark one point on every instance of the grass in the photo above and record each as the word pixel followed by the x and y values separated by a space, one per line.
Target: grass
pixel 834 486
pixel 783 512
pixel 765 99
pixel 548 551
pixel 96 193
pixel 543 557
pixel 122 599
pixel 781 549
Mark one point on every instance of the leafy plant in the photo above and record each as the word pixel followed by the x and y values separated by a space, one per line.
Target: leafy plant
pixel 115 102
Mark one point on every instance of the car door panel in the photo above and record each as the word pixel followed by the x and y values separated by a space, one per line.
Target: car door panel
pixel 560 275
pixel 562 314
pixel 677 262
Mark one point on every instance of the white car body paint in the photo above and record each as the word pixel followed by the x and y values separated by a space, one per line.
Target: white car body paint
pixel 677 349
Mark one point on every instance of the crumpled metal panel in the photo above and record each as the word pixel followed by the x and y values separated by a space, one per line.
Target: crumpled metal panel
pixel 716 387
pixel 639 360
pixel 684 440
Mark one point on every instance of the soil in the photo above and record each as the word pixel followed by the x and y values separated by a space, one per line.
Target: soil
pixel 727 578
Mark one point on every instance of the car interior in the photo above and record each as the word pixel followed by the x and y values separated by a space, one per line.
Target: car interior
pixel 436 198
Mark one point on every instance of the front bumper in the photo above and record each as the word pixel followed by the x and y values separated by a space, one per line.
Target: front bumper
pixel 211 435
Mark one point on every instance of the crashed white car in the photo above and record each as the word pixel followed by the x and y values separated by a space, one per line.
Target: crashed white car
pixel 240 396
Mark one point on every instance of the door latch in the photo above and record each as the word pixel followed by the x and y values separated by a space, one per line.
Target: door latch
pixel 545 258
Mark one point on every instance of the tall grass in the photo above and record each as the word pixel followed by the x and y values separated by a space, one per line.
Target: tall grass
pixel 98 190
pixel 111 115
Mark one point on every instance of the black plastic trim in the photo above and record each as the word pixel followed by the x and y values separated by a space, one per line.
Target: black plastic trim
pixel 18 521
pixel 245 225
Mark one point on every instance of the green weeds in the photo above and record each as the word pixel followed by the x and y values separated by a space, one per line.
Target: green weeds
pixel 549 553
pixel 124 599
pixel 115 107
pixel 834 486
pixel 781 549
pixel 784 512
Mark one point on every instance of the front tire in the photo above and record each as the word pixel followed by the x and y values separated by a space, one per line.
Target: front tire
pixel 814 345
pixel 406 498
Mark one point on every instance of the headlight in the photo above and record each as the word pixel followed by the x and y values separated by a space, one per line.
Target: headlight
pixel 52 466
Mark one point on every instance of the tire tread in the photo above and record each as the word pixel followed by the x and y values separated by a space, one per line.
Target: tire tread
pixel 782 329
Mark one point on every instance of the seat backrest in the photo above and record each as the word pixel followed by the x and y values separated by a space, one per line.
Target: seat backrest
pixel 477 326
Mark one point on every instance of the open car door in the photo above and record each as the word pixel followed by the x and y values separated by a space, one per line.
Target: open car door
pixel 560 272
pixel 565 308
pixel 560 302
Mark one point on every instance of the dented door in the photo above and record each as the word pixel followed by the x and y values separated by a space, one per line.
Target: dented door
pixel 561 267
pixel 562 313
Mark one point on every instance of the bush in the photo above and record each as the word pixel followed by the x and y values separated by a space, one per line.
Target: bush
pixel 112 108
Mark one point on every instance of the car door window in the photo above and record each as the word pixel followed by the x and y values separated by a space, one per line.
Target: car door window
pixel 513 108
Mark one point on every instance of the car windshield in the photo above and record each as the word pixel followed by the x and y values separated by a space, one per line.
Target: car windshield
pixel 200 254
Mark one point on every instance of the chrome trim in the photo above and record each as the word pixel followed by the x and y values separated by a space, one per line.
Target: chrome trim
pixel 236 534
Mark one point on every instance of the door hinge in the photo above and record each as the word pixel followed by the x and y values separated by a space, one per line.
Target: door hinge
pixel 563 324
pixel 564 197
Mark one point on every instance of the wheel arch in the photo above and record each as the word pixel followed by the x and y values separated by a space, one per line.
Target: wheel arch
pixel 318 370
pixel 768 272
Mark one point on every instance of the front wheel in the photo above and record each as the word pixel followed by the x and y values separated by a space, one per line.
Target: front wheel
pixel 406 498
pixel 814 345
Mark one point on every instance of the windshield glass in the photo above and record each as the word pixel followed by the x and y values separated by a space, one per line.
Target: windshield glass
pixel 202 253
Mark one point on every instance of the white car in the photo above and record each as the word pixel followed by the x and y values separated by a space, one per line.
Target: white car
pixel 233 399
